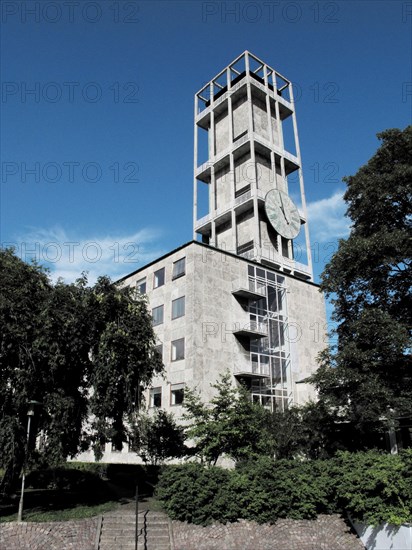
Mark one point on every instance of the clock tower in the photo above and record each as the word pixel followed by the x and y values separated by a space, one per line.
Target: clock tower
pixel 248 185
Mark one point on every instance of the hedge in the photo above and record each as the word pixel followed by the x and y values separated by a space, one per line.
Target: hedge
pixel 373 487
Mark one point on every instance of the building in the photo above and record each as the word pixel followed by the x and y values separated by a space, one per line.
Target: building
pixel 240 296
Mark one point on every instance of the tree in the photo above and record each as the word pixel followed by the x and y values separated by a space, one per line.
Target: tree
pixel 366 381
pixel 158 437
pixel 230 425
pixel 77 350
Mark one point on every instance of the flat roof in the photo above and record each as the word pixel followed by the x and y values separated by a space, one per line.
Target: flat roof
pixel 213 248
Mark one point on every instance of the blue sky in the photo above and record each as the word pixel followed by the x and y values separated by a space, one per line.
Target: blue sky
pixel 97 161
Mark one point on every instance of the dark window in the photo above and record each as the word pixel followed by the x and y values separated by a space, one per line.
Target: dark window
pixel 177 394
pixel 141 286
pixel 159 278
pixel 179 268
pixel 178 349
pixel 178 307
pixel 157 314
pixel 155 397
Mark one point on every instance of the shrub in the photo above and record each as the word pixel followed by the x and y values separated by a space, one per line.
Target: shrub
pixel 374 487
pixel 261 491
pixel 286 489
pixel 193 493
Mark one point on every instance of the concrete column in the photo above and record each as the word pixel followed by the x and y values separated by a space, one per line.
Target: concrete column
pixel 253 186
pixel 302 186
pixel 195 154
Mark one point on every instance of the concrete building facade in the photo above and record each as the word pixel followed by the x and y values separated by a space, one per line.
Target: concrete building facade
pixel 240 297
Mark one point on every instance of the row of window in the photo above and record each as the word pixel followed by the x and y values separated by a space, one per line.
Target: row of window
pixel 159 276
pixel 177 393
pixel 178 310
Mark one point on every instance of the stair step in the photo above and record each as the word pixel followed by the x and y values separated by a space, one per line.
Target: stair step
pixel 118 531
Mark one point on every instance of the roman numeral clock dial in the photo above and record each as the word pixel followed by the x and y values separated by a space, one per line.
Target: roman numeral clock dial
pixel 282 214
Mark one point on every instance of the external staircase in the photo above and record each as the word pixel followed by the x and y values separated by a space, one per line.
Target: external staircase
pixel 116 531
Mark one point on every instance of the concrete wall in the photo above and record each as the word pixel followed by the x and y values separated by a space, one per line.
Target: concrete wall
pixel 244 227
pixel 221 132
pixel 212 313
pixel 260 118
pixel 224 191
pixel 240 117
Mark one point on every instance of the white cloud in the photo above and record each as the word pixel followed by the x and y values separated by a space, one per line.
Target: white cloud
pixel 67 255
pixel 327 220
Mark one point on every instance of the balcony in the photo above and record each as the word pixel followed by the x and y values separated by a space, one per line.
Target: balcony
pixel 252 330
pixel 251 289
pixel 252 369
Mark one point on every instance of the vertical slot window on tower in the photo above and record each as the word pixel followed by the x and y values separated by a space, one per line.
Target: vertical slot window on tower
pixel 159 278
pixel 179 268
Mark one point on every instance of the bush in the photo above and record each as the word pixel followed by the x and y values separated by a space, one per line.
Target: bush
pixel 375 487
pixel 261 491
pixel 193 493
pixel 292 489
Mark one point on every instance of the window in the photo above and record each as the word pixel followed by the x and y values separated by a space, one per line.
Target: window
pixel 141 286
pixel 159 350
pixel 157 314
pixel 155 397
pixel 178 349
pixel 178 307
pixel 159 278
pixel 177 393
pixel 179 268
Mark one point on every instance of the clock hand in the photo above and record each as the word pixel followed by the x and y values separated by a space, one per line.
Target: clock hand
pixel 283 209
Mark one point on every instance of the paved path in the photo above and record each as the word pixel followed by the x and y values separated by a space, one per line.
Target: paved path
pixel 325 533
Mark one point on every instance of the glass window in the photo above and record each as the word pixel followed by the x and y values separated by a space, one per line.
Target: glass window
pixel 159 278
pixel 155 397
pixel 178 349
pixel 141 286
pixel 157 314
pixel 179 268
pixel 159 350
pixel 177 393
pixel 178 307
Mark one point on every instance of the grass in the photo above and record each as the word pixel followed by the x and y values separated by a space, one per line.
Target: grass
pixel 78 512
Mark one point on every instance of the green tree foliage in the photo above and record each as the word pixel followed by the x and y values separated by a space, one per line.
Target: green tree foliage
pixel 158 437
pixel 231 424
pixel 78 350
pixel 369 279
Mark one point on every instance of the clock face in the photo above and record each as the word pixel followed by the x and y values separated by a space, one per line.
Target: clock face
pixel 282 214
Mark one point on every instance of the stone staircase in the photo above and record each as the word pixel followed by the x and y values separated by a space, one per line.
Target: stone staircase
pixel 117 531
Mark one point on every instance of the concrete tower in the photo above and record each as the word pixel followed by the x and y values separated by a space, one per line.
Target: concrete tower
pixel 246 146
